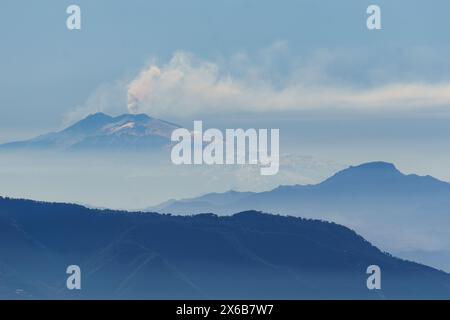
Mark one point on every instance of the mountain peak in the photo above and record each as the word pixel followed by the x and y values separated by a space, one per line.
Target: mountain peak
pixel 98 115
pixel 133 117
pixel 104 116
pixel 101 131
pixel 91 123
pixel 366 173
pixel 375 165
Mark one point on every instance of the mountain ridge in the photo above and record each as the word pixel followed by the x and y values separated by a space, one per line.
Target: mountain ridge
pixel 377 170
pixel 100 131
pixel 398 212
pixel 249 255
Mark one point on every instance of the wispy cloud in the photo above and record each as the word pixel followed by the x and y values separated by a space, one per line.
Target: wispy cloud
pixel 275 80
pixel 188 86
pixel 108 97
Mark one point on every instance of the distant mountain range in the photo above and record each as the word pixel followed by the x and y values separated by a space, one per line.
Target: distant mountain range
pixel 249 255
pixel 102 132
pixel 397 211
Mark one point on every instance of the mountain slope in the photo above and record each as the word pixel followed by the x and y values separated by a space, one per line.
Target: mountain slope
pixel 395 211
pixel 364 184
pixel 247 255
pixel 100 131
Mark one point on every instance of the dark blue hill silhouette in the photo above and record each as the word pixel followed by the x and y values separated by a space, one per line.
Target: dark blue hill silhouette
pixel 152 256
pixel 102 132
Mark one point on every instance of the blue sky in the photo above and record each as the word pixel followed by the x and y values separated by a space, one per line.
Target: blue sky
pixel 310 68
pixel 47 71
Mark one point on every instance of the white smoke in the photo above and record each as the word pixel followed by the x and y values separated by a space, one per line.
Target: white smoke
pixel 187 86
